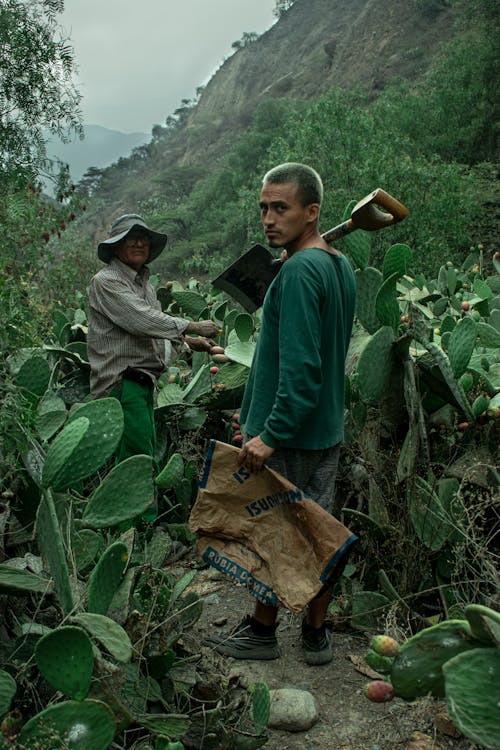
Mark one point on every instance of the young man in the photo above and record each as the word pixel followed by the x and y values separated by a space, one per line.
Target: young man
pixel 293 407
pixel 128 330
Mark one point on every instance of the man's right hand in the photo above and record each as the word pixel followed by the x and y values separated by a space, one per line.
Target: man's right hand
pixel 206 328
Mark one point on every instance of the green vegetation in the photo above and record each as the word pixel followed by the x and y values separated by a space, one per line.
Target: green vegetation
pixel 79 575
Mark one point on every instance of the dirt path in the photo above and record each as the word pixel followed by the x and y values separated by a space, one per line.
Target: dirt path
pixel 348 720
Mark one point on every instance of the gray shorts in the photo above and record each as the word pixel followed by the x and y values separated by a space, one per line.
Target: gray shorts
pixel 314 471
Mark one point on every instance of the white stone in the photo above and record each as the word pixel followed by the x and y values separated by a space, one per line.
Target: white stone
pixel 292 710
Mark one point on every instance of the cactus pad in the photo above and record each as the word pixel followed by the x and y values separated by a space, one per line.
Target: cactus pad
pixel 13 580
pixel 243 326
pixel 261 704
pixel 368 282
pixel 172 473
pixel 461 345
pixel 8 689
pixel 397 259
pixel 111 635
pixel 60 452
pixel 418 667
pixel 65 658
pixel 71 725
pixel 484 623
pixel 126 492
pixel 472 681
pixel 428 517
pixel 106 578
pixel 374 365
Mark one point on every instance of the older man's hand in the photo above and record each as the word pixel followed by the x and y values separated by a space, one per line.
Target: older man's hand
pixel 254 453
pixel 203 328
pixel 199 344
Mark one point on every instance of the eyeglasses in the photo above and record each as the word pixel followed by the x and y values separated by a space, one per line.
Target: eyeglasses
pixel 135 239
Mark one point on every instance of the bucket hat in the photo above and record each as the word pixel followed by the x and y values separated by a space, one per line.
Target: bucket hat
pixel 121 227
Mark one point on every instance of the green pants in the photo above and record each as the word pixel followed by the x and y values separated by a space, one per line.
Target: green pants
pixel 139 434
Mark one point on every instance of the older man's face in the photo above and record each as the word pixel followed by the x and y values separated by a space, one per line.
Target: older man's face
pixel 134 249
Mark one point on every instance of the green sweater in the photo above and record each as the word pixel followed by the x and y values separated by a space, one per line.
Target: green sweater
pixel 295 391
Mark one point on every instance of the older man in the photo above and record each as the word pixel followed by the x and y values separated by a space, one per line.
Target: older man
pixel 128 330
pixel 293 407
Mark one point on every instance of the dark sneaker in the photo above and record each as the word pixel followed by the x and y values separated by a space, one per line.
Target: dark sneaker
pixel 244 643
pixel 317 644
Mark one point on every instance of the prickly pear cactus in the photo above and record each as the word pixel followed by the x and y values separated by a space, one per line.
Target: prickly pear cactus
pixel 50 541
pixel 461 345
pixel 243 326
pixel 71 725
pixel 368 282
pixel 386 302
pixel 429 518
pixel 8 689
pixel 261 704
pixel 126 492
pixel 108 632
pixel 172 473
pixel 65 658
pixel 397 260
pixel 106 578
pixel 418 667
pixel 472 681
pixel 60 452
pixel 374 365
pixel 484 623
pixel 13 580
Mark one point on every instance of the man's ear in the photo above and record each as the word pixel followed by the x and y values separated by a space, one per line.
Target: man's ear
pixel 312 212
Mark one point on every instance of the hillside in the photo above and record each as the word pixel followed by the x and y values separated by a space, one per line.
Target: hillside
pixel 339 84
pixel 314 46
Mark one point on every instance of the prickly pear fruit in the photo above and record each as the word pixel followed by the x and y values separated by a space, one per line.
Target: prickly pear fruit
pixel 384 645
pixel 379 691
pixel 378 662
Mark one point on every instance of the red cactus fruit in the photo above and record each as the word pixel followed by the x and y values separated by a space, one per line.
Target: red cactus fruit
pixel 379 691
pixel 384 645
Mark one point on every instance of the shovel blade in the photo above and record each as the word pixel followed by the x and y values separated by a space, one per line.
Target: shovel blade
pixel 248 278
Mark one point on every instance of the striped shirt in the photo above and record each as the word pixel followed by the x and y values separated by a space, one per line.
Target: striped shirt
pixel 127 327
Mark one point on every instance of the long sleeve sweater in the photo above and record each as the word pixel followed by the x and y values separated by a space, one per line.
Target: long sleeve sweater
pixel 295 391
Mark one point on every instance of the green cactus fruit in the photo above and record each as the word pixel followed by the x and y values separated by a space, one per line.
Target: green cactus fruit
pixel 379 691
pixel 8 689
pixel 34 376
pixel 65 658
pixel 397 259
pixel 472 681
pixel 70 725
pixel 125 493
pixel 378 662
pixel 243 326
pixel 461 345
pixel 111 635
pixel 60 451
pixel 261 705
pixel 85 545
pixel 368 282
pixel 375 364
pixel 384 645
pixel 50 541
pixel 418 667
pixel 106 578
pixel 172 473
pixel 480 405
pixel 386 303
pixel 466 381
pixel 13 580
pixel 484 623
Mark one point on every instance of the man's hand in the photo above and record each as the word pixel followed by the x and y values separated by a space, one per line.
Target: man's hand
pixel 254 453
pixel 203 328
pixel 200 344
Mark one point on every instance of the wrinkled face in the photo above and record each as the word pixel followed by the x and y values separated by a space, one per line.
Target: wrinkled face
pixel 284 217
pixel 133 250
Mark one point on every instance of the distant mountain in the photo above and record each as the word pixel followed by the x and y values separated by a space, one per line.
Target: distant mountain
pixel 101 147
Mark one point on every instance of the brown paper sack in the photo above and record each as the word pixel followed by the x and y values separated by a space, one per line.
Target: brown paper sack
pixel 263 532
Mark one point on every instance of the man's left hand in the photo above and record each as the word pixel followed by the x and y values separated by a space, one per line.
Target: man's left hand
pixel 254 453
pixel 199 344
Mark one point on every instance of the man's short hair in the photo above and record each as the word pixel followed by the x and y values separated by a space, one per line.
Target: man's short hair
pixel 306 179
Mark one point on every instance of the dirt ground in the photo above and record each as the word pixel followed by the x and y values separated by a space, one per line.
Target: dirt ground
pixel 347 719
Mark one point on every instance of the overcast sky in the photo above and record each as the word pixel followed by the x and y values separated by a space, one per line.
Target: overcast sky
pixel 137 59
